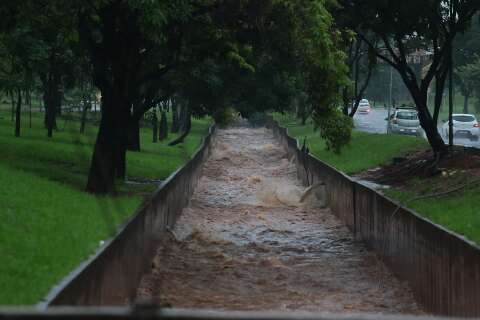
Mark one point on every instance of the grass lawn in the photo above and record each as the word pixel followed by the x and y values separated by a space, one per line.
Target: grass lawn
pixel 48 223
pixel 457 211
pixel 366 150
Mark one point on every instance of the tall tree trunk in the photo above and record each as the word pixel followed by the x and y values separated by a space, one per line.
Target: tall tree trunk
pixel 18 113
pixel 429 125
pixel 346 100
pixel 184 117
pixel 186 126
pixel 154 125
pixel 52 98
pixel 86 106
pixel 163 130
pixel 58 103
pixel 29 97
pixel 175 124
pixel 108 160
pixel 354 107
pixel 440 80
pixel 465 103
pixel 363 87
pixel 427 122
pixel 133 142
pixel 50 115
pixel 101 177
pixel 450 99
pixel 12 101
pixel 122 140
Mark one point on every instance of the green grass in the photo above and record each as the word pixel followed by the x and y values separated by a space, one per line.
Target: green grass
pixel 457 212
pixel 366 150
pixel 49 224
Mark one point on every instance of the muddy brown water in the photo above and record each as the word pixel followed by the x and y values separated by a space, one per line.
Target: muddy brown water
pixel 245 242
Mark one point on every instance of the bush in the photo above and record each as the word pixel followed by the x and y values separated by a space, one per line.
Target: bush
pixel 335 128
pixel 224 116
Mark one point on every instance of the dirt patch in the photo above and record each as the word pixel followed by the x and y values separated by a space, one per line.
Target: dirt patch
pixel 419 175
pixel 421 164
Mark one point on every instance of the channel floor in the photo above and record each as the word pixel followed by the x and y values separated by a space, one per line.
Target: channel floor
pixel 247 242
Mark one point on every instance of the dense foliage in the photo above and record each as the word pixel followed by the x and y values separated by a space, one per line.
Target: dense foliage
pixel 198 58
pixel 394 30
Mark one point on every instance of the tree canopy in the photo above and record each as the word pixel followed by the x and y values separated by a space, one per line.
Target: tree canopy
pixel 205 57
pixel 400 29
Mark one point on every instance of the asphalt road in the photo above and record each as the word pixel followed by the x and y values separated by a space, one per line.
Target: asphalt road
pixel 374 122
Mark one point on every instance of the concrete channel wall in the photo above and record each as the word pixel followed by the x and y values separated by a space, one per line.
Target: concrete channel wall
pixel 442 268
pixel 112 275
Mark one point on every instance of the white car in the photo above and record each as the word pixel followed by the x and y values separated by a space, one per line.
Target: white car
pixel 465 125
pixel 364 106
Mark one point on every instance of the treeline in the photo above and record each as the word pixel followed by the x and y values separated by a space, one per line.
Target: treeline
pixel 192 58
pixel 390 32
pixel 466 76
pixel 207 57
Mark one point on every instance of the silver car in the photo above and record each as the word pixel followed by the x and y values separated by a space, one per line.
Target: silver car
pixel 465 125
pixel 405 121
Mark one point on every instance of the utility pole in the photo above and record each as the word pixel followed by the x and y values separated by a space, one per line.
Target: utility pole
pixel 450 85
pixel 390 100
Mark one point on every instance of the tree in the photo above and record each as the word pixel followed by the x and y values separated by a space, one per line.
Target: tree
pixel 131 44
pixel 469 78
pixel 20 52
pixel 469 75
pixel 154 120
pixel 316 44
pixel 296 60
pixel 53 23
pixel 466 48
pixel 406 26
pixel 175 125
pixel 163 129
pixel 205 56
pixel 361 64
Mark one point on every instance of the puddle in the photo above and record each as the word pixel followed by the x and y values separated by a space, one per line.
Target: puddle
pixel 253 239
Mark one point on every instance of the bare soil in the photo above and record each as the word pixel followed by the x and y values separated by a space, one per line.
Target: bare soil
pixel 246 242
pixel 420 173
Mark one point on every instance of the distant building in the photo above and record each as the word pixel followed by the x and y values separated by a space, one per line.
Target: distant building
pixel 419 57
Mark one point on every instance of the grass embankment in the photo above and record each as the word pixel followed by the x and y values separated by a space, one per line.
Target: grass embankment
pixel 457 211
pixel 48 223
pixel 366 150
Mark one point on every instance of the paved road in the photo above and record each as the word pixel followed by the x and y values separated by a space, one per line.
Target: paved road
pixel 374 122
pixel 249 241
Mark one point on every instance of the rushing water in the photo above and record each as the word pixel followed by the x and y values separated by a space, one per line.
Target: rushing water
pixel 246 242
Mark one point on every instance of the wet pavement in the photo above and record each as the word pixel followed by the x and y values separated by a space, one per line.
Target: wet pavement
pixel 374 122
pixel 251 240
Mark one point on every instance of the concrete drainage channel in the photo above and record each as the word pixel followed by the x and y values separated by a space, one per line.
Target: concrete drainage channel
pixel 254 238
pixel 112 275
pixel 441 268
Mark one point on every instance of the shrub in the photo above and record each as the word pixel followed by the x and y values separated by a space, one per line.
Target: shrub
pixel 335 128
